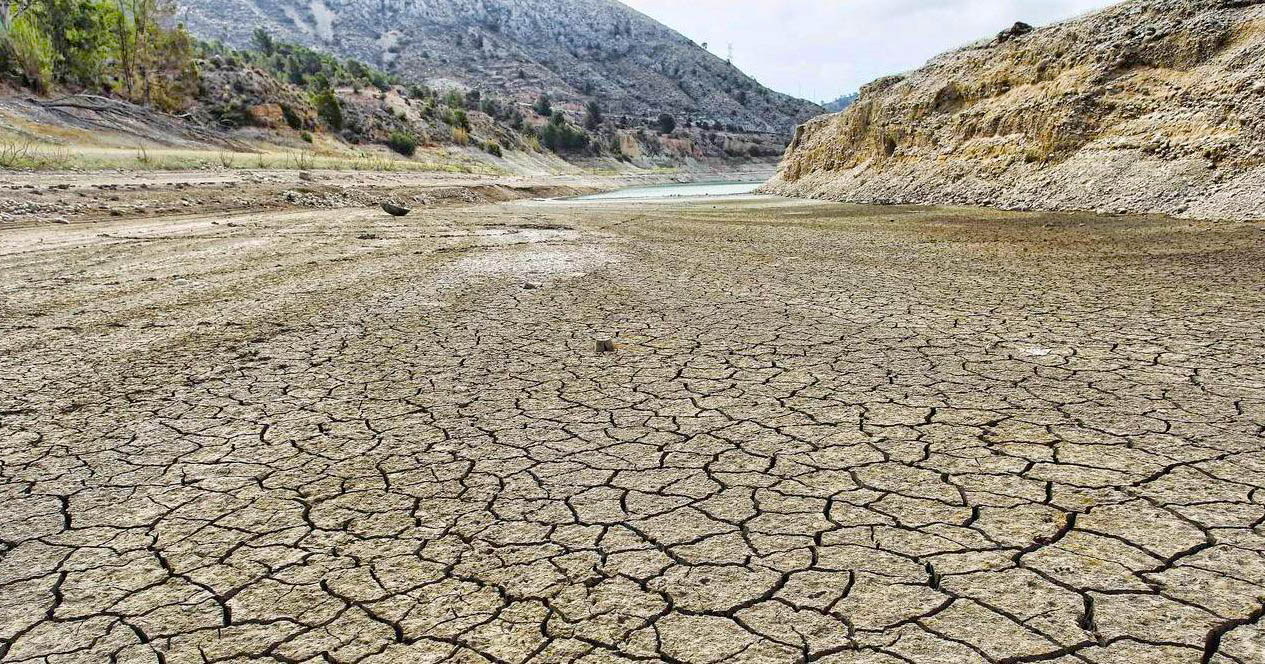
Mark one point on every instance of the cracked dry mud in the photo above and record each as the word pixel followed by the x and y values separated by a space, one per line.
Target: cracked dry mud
pixel 829 433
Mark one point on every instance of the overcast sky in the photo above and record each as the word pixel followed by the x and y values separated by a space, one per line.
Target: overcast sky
pixel 820 49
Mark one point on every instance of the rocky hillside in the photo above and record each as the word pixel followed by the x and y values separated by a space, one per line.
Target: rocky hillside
pixel 1148 106
pixel 841 104
pixel 575 51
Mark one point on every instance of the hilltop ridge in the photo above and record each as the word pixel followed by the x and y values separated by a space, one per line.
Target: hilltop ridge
pixel 575 51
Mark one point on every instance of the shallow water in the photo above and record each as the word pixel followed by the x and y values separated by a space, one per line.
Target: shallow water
pixel 690 190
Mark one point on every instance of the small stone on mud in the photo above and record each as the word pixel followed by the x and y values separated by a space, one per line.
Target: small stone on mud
pixel 394 210
pixel 605 345
pixel 530 285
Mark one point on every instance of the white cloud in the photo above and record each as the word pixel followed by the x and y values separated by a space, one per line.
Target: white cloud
pixel 819 49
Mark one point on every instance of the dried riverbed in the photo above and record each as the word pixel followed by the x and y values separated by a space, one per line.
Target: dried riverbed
pixel 828 433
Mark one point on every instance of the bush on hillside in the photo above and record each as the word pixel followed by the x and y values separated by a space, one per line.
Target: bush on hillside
pixel 543 106
pixel 94 45
pixel 559 136
pixel 328 107
pixel 292 119
pixel 593 116
pixel 32 51
pixel 667 124
pixel 402 143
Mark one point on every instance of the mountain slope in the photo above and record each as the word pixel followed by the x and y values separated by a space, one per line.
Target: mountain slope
pixel 1148 106
pixel 573 50
pixel 840 104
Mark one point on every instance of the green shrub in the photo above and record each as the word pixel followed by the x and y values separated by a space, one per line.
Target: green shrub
pixel 561 137
pixel 84 39
pixel 667 124
pixel 402 143
pixel 543 106
pixel 292 119
pixel 593 116
pixel 490 107
pixel 262 41
pixel 328 107
pixel 32 51
pixel 493 148
pixel 457 119
pixel 306 136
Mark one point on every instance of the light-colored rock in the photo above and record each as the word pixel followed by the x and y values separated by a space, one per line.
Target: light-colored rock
pixel 1132 108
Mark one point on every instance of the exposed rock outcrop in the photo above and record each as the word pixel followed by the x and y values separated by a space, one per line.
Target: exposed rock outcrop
pixel 1150 106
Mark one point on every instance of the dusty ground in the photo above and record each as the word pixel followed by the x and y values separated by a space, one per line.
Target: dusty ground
pixel 829 433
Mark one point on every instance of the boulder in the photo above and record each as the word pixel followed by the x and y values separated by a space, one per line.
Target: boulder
pixel 395 210
pixel 1019 29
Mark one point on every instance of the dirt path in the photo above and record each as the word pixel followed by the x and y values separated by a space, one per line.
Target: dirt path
pixel 828 433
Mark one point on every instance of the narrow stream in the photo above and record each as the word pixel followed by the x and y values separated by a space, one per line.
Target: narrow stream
pixel 690 190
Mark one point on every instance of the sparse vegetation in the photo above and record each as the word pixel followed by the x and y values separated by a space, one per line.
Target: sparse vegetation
pixel 302 161
pixel 32 51
pixel 457 118
pixel 403 143
pixel 667 123
pixel 130 48
pixel 329 108
pixel 135 50
pixel 559 136
pixel 376 162
pixel 543 106
pixel 593 116
pixel 19 155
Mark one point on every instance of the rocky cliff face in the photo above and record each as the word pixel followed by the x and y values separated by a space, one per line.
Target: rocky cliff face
pixel 1148 106
pixel 573 50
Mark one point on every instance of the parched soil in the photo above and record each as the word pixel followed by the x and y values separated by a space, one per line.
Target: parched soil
pixel 827 433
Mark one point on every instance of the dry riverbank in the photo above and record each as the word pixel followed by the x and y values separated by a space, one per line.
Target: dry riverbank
pixel 40 198
pixel 828 433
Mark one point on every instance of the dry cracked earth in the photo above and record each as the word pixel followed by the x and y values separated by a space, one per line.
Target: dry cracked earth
pixel 828 433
